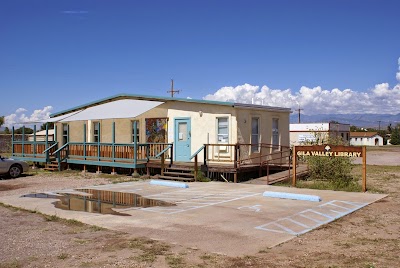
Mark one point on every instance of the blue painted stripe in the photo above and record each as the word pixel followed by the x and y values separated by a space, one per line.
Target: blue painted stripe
pixel 169 184
pixel 304 197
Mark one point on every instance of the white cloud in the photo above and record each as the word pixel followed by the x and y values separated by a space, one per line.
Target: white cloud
pixel 19 118
pixel 380 99
pixel 21 110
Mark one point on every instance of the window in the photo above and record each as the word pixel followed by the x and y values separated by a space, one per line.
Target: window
pixel 255 134
pixel 223 130
pixel 275 133
pixel 65 133
pixel 347 136
pixel 137 131
pixel 96 132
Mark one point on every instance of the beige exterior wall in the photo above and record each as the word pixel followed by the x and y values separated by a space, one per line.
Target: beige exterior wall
pixel 203 125
pixel 203 119
pixel 265 124
pixel 244 120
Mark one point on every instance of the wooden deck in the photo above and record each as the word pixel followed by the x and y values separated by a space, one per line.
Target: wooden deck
pixel 232 162
pixel 286 175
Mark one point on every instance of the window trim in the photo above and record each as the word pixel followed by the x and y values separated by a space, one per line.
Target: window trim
pixel 255 148
pixel 66 136
pixel 138 131
pixel 218 128
pixel 275 135
pixel 96 123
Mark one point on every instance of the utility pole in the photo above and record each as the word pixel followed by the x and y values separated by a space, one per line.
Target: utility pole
pixel 298 110
pixel 172 91
pixel 379 125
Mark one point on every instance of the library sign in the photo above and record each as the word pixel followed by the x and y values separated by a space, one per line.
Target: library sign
pixel 332 151
pixel 329 150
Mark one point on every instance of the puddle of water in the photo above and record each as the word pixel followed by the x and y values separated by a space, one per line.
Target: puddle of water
pixel 41 195
pixel 99 201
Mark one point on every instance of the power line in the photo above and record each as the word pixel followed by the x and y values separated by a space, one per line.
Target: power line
pixel 172 91
pixel 298 110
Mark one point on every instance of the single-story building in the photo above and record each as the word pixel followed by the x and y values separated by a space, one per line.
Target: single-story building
pixel 41 135
pixel 366 138
pixel 307 133
pixel 129 130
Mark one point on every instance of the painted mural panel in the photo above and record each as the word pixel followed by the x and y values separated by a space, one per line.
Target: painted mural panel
pixel 156 130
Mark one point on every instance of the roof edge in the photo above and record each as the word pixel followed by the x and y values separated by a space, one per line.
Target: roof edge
pixel 124 96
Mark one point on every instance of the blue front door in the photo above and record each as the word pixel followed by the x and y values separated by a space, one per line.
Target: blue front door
pixel 182 139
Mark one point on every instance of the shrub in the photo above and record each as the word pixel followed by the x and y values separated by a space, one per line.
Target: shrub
pixel 336 171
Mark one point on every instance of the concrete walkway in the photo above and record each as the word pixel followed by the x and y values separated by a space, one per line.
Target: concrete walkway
pixel 231 219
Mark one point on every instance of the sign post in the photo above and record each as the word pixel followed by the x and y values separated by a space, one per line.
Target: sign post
pixel 294 166
pixel 331 151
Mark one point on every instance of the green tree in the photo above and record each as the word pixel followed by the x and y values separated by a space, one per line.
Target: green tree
pixel 383 133
pixel 27 130
pixel 7 130
pixel 354 129
pixel 1 120
pixel 395 137
pixel 43 127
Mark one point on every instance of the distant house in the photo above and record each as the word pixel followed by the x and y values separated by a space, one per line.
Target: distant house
pixel 365 138
pixel 303 133
pixel 41 135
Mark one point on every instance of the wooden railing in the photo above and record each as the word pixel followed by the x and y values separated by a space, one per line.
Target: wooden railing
pixel 113 152
pixel 33 149
pixel 246 154
pixel 241 155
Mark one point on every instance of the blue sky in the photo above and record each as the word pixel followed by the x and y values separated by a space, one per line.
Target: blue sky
pixel 66 53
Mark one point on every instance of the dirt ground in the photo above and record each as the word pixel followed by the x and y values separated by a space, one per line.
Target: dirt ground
pixel 369 237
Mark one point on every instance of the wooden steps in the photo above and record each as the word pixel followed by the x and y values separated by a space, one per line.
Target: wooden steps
pixel 52 166
pixel 178 174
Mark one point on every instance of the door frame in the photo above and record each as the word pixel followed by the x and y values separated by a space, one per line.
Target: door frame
pixel 189 120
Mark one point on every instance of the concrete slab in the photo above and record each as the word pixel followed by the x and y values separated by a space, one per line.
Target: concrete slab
pixel 231 219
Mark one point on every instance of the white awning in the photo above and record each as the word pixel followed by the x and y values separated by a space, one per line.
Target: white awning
pixel 116 109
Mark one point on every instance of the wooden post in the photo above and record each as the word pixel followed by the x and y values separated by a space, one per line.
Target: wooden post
pixel 235 164
pixel 289 167
pixel 84 141
pixel 113 141
pixel 162 164
pixel 195 167
pixel 364 169
pixel 260 168
pixel 205 155
pixel 55 133
pixel 12 141
pixel 34 141
pixel 294 167
pixel 23 140
pixel 98 143
pixel 171 162
pixel 47 135
pixel 135 146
